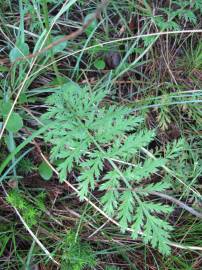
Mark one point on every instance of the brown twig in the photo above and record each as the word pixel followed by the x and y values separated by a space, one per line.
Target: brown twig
pixel 71 36
pixel 178 202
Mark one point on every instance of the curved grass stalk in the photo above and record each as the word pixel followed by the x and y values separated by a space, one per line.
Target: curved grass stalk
pixel 101 44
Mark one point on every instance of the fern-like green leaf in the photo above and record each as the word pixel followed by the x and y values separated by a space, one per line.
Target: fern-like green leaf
pixel 156 232
pixel 101 143
pixel 138 222
pixel 154 187
pixel 174 149
pixel 126 209
pixel 110 198
pixel 149 167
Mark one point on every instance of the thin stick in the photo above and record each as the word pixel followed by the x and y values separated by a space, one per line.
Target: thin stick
pixel 94 16
pixel 101 44
pixel 178 202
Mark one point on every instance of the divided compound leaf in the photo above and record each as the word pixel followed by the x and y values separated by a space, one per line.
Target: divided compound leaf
pixel 103 144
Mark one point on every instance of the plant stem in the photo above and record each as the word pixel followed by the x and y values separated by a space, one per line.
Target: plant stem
pixel 49 39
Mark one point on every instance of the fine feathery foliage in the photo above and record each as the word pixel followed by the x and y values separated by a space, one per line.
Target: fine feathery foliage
pixel 87 136
pixel 30 213
pixel 77 255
